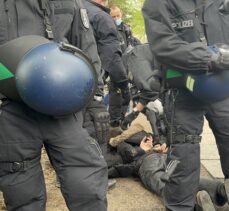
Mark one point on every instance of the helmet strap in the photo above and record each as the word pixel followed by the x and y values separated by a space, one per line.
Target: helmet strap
pixel 43 6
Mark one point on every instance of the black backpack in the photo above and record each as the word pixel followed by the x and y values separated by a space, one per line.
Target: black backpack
pixel 142 68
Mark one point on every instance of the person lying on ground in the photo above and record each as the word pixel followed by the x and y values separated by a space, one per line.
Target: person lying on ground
pixel 148 162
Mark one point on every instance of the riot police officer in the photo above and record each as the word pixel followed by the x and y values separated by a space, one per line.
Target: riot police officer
pixel 126 37
pixel 106 36
pixel 75 156
pixel 179 33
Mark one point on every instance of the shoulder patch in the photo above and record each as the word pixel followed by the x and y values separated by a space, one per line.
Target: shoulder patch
pixel 84 18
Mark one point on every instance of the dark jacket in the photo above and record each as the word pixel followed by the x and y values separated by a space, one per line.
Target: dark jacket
pixel 18 19
pixel 106 36
pixel 145 74
pixel 133 157
pixel 180 30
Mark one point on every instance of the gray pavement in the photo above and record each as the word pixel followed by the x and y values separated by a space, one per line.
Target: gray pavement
pixel 209 154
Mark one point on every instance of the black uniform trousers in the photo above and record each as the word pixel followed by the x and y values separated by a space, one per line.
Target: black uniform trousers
pixel 75 156
pixel 188 119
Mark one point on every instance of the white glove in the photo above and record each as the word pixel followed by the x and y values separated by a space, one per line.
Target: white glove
pixel 156 106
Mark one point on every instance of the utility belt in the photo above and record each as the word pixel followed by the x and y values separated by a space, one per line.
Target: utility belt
pixel 17 166
pixel 183 138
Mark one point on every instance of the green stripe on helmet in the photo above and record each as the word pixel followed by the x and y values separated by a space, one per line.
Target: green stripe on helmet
pixel 173 74
pixel 4 72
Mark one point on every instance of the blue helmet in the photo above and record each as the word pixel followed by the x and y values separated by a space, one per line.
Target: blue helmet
pixel 51 78
pixel 210 87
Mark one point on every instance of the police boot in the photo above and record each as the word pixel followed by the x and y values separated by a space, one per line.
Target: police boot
pixel 204 201
pixel 215 189
pixel 111 183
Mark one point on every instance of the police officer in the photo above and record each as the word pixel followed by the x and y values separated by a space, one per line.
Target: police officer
pixel 74 155
pixel 126 37
pixel 109 50
pixel 126 40
pixel 147 82
pixel 179 33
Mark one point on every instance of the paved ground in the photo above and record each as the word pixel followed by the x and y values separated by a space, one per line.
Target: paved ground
pixel 129 194
pixel 209 154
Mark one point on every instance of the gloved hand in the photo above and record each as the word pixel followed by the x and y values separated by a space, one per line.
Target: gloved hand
pixel 156 106
pixel 128 119
pixel 125 92
pixel 125 96
pixel 101 120
pixel 220 57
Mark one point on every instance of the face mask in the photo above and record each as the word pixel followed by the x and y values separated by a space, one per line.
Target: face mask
pixel 118 22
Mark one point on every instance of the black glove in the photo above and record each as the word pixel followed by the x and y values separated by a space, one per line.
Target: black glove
pixel 220 57
pixel 125 96
pixel 128 119
pixel 125 92
pixel 101 120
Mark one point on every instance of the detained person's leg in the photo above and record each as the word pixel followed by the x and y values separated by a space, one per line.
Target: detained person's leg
pixel 218 118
